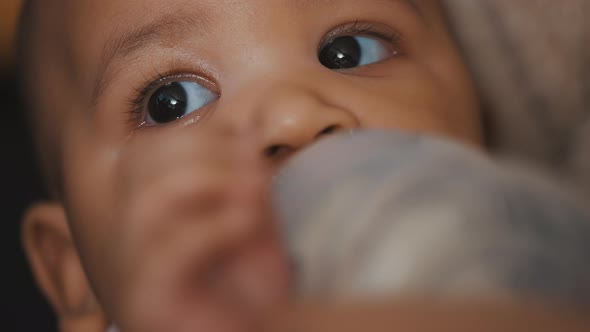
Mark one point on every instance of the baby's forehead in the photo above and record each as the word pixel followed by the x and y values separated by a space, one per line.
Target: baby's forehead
pixel 86 26
pixel 91 10
pixel 78 21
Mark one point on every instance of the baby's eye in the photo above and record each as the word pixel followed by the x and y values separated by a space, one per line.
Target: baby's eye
pixel 354 51
pixel 176 100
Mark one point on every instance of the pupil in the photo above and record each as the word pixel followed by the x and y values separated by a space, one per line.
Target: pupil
pixel 168 103
pixel 341 53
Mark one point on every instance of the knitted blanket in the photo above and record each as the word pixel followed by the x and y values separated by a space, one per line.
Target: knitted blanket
pixel 531 61
pixel 404 214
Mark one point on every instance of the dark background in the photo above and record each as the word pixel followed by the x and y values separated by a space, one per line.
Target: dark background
pixel 22 306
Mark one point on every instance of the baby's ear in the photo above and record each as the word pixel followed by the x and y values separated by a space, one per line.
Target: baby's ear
pixel 57 268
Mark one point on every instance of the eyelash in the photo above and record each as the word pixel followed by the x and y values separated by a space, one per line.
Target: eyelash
pixel 154 81
pixel 363 28
pixel 150 84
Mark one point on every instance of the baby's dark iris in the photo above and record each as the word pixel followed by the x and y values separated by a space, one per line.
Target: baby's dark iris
pixel 341 53
pixel 168 103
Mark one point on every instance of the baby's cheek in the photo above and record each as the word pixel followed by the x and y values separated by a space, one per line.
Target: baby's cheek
pixel 415 99
pixel 88 195
pixel 410 95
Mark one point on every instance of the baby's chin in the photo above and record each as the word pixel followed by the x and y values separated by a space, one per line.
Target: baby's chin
pixel 246 290
pixel 258 280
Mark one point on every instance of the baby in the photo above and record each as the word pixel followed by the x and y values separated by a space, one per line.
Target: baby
pixel 160 125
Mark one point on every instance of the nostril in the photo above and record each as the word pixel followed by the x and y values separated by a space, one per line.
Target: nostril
pixel 328 130
pixel 277 151
pixel 281 151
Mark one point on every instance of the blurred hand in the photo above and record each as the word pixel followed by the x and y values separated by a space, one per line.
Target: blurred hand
pixel 197 249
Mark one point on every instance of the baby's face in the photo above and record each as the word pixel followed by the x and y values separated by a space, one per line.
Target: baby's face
pixel 133 88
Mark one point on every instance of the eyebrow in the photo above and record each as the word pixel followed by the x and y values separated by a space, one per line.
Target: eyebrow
pixel 122 45
pixel 413 5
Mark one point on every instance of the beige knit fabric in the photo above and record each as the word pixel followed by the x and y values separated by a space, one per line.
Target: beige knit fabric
pixel 531 60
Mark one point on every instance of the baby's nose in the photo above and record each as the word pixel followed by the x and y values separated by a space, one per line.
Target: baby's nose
pixel 295 117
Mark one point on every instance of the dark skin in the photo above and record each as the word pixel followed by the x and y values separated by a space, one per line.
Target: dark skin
pixel 428 315
pixel 167 226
